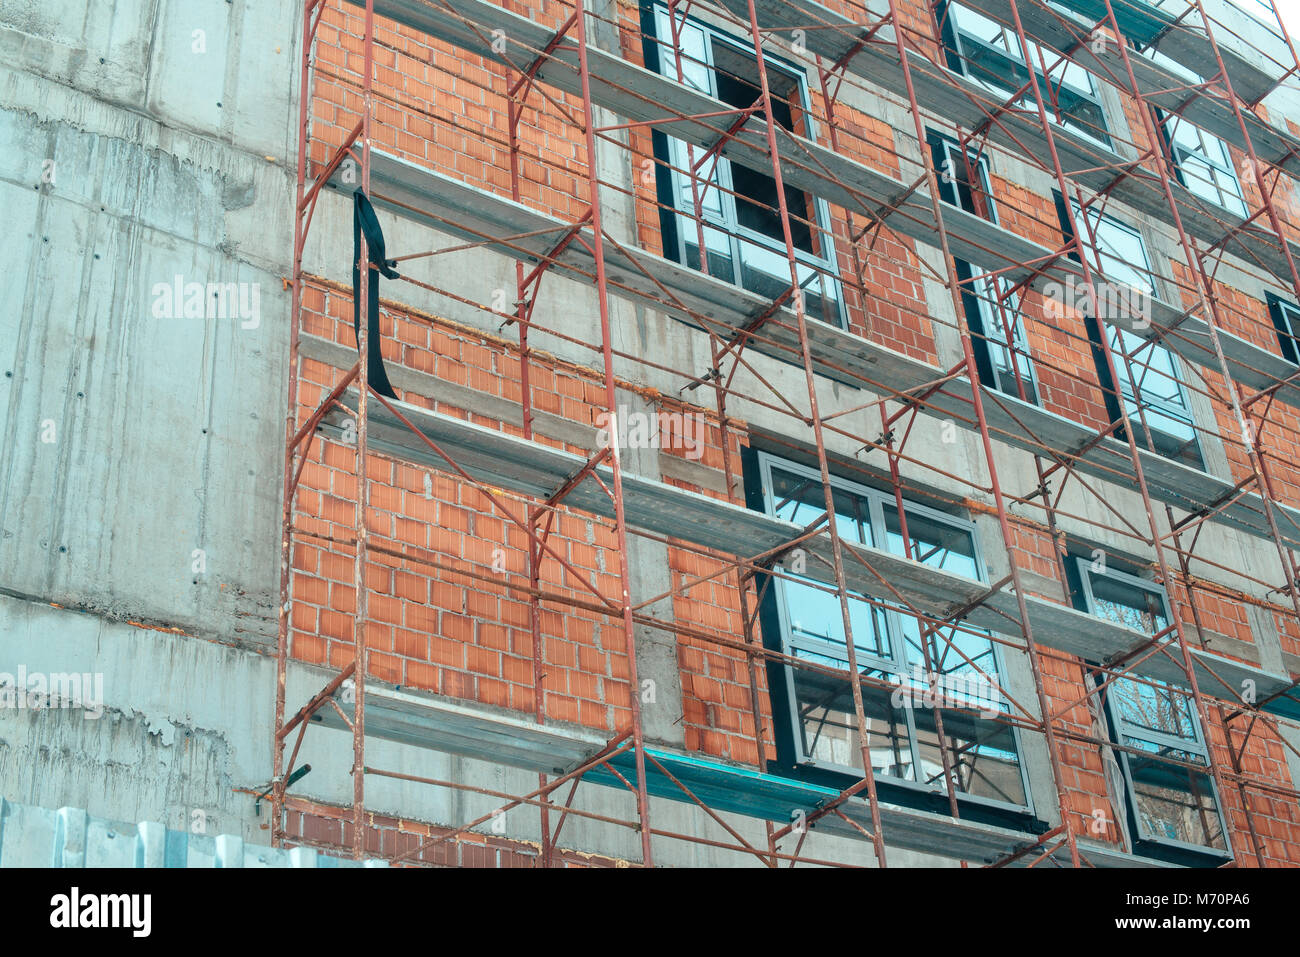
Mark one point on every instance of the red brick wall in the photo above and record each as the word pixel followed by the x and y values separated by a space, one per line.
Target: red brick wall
pixel 327 828
pixel 464 635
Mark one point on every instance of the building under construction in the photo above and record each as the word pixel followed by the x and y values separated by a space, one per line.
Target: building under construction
pixel 659 432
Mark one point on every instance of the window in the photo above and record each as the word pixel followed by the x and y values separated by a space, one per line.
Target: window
pixel 1149 381
pixel 1168 804
pixel 741 226
pixel 984 50
pixel 992 315
pixel 822 732
pixel 1202 163
pixel 1200 160
pixel 1286 319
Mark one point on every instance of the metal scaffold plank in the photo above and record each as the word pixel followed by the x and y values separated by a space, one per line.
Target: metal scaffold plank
pixel 451 206
pixel 446 203
pixel 477 732
pixel 502 460
pixel 1253 77
pixel 473 731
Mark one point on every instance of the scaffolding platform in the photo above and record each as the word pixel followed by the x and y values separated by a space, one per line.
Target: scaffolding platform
pixel 451 206
pixel 1151 26
pixel 967 103
pixel 506 461
pixel 1060 30
pixel 472 731
pixel 740 790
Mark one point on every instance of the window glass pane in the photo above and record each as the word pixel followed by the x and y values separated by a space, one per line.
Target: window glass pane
pixel 996 317
pixel 1150 705
pixel 982 755
pixel 1151 378
pixel 1169 802
pixel 718 244
pixel 977 26
pixel 933 541
pixel 1205 165
pixel 983 752
pixel 1118 249
pixel 1147 704
pixel 747 246
pixel 1173 803
pixel 815 614
pixel 991 53
pixel 1149 386
pixel 1138 608
pixel 817 622
pixel 828 726
pixel 801 499
pixel 693 43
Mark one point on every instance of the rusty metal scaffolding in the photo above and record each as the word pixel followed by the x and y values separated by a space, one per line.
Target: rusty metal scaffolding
pixel 889 55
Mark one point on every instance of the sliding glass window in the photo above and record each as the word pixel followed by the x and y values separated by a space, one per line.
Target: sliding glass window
pixel 1170 804
pixel 1149 385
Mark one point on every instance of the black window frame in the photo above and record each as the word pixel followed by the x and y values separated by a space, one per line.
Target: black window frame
pixel 978 293
pixel 958 45
pixel 1286 321
pixel 1080 572
pixel 1185 451
pixel 1178 154
pixel 777 634
pixel 678 224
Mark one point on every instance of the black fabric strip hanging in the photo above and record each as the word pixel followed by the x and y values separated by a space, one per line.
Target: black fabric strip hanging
pixel 365 220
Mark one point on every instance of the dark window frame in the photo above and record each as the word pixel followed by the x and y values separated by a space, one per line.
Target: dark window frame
pixel 741 254
pixel 1176 448
pixel 958 45
pixel 1178 154
pixel 1145 841
pixel 977 303
pixel 779 635
pixel 1286 320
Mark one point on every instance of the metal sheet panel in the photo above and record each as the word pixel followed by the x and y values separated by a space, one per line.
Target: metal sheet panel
pixel 71 837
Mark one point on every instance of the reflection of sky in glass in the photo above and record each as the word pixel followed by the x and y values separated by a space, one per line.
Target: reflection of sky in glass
pixel 1116 248
pixel 814 612
pixel 1155 707
pixel 933 543
pixel 801 500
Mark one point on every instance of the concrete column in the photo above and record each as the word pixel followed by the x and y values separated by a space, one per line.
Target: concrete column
pixel 656 650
